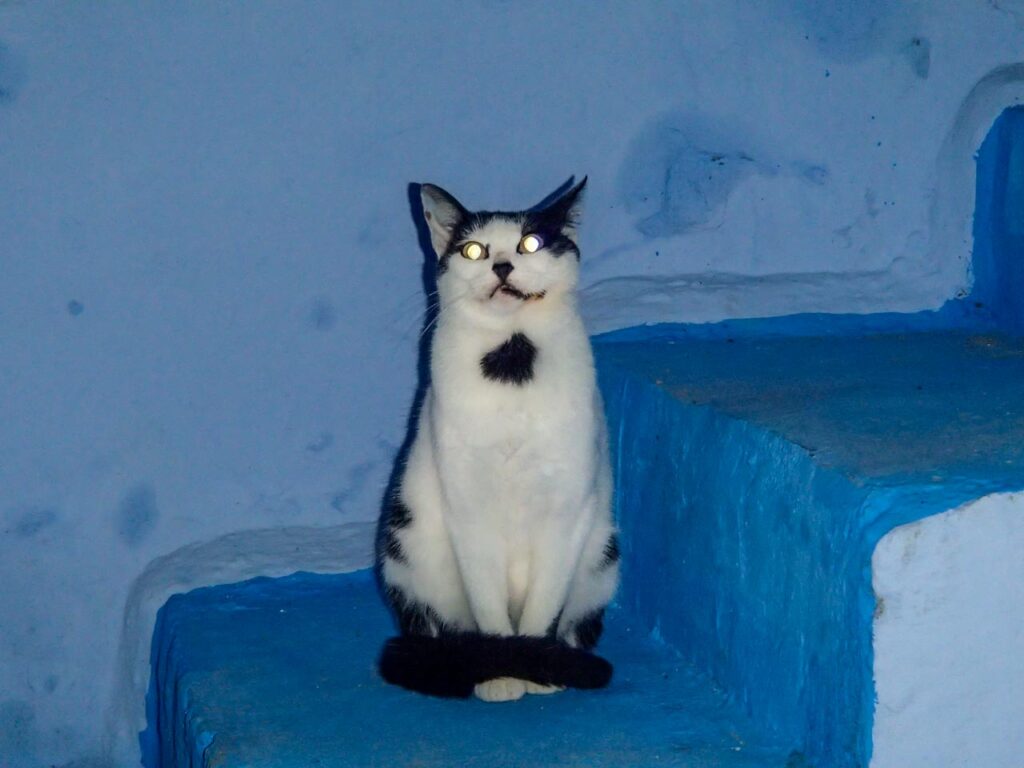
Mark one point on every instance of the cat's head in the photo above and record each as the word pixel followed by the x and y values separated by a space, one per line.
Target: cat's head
pixel 500 263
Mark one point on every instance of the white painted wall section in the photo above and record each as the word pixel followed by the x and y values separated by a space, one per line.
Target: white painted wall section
pixel 949 639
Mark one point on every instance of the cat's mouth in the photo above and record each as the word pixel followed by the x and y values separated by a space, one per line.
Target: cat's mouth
pixel 511 290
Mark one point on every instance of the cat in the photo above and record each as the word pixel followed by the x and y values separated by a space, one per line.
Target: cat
pixel 498 552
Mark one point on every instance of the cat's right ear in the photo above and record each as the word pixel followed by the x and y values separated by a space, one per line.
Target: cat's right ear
pixel 443 214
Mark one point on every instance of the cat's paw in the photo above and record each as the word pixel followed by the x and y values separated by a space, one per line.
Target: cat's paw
pixel 501 689
pixel 543 690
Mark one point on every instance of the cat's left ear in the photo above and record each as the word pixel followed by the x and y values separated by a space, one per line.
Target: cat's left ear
pixel 567 210
pixel 443 214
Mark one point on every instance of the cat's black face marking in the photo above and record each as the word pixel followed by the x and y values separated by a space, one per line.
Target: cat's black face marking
pixel 398 517
pixel 550 228
pixel 512 362
pixel 550 223
pixel 612 553
pixel 544 223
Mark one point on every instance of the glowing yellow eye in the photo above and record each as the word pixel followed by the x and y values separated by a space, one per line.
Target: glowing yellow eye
pixel 473 251
pixel 531 244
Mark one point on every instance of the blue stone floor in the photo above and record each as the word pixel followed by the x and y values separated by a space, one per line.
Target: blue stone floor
pixel 280 673
pixel 897 408
pixel 757 469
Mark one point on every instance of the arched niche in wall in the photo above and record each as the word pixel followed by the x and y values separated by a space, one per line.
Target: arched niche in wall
pixel 998 258
pixel 957 178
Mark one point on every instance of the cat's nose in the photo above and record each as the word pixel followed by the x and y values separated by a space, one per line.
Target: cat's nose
pixel 502 269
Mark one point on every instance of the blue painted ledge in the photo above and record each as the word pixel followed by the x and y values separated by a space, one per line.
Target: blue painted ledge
pixel 756 471
pixel 280 673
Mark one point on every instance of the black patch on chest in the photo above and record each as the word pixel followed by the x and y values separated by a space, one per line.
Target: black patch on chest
pixel 512 362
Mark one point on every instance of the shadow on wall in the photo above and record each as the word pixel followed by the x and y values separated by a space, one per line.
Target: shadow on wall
pixel 428 277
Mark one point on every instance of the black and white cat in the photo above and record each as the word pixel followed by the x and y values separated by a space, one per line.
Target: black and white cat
pixel 498 552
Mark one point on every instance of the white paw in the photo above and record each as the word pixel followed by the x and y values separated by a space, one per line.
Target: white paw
pixel 543 690
pixel 501 689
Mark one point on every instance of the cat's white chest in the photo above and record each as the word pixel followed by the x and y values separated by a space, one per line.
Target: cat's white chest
pixel 523 441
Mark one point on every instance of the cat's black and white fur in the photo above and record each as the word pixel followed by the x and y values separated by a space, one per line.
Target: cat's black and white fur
pixel 498 551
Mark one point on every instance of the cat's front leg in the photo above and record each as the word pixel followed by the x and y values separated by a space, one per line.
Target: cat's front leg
pixel 481 554
pixel 556 549
pixel 481 550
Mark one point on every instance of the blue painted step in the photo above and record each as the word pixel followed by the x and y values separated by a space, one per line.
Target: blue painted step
pixel 279 673
pixel 757 471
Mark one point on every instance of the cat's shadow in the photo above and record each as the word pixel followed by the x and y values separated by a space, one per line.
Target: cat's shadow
pixel 428 278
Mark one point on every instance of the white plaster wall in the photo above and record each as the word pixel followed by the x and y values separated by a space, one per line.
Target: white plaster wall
pixel 948 640
pixel 210 287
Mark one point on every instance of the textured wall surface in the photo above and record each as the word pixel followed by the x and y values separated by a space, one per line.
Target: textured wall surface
pixel 210 280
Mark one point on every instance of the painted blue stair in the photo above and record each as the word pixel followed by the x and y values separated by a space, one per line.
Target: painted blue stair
pixel 758 468
pixel 279 673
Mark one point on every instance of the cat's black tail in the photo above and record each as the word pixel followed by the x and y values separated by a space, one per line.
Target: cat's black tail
pixel 453 663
